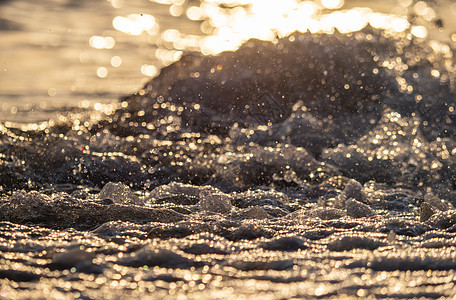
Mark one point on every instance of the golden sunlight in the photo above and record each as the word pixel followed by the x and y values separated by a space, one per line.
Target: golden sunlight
pixel 136 24
pixel 332 4
pixel 227 24
pixel 268 19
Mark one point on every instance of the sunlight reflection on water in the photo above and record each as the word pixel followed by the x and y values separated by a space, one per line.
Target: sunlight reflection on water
pixel 69 52
pixel 228 24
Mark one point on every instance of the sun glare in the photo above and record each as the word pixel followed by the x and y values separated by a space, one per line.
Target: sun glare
pixel 227 24
pixel 136 24
pixel 332 4
pixel 268 19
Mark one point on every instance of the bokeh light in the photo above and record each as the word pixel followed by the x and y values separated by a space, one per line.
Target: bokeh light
pixel 102 72
pixel 332 4
pixel 99 42
pixel 116 61
pixel 136 24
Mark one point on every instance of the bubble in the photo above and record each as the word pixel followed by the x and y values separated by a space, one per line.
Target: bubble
pixel 218 203
pixel 119 193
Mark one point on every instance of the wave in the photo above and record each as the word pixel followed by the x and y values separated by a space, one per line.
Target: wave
pixel 304 147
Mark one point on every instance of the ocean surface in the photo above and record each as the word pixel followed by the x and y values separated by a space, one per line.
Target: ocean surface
pixel 227 149
pixel 57 54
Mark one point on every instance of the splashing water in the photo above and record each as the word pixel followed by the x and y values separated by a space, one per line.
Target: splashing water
pixel 91 62
pixel 315 161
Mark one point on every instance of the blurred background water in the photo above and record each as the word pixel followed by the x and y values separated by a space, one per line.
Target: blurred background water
pixel 57 55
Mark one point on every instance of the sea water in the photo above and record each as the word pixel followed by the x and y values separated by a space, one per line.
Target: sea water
pixel 315 161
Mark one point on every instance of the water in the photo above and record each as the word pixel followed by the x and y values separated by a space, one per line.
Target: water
pixel 68 54
pixel 51 56
pixel 314 164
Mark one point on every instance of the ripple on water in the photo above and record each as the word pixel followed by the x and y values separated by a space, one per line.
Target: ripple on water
pixel 306 162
